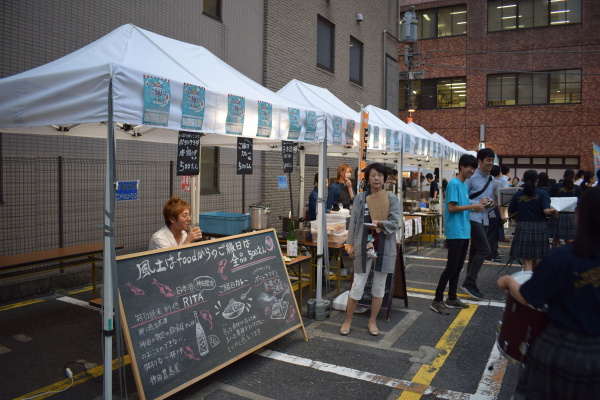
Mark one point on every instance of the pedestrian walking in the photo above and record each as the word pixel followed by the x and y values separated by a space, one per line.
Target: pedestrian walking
pixel 481 191
pixel 530 205
pixel 457 207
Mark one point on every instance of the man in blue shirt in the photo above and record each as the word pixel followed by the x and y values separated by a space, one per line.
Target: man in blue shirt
pixel 458 231
pixel 481 191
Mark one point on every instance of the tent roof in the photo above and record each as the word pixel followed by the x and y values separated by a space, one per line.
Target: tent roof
pixel 74 89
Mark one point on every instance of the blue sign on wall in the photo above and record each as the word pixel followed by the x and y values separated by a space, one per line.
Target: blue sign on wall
pixel 127 190
pixel 282 182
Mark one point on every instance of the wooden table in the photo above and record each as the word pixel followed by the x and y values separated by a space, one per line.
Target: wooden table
pixel 38 262
pixel 295 264
pixel 338 252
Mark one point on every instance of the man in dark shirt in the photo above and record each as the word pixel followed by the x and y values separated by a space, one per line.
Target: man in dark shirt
pixel 433 188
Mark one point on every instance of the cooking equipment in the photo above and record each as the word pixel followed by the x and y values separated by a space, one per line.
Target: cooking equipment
pixel 304 235
pixel 259 217
pixel 286 222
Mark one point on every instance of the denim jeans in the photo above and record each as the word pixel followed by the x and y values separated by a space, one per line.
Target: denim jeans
pixel 457 252
pixel 480 249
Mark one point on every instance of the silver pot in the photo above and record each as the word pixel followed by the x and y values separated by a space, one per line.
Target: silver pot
pixel 259 218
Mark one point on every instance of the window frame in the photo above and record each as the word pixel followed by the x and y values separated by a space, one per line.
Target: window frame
pixel 218 9
pixel 355 42
pixel 427 96
pixel 213 188
pixel 331 26
pixel 546 87
pixel 452 10
pixel 541 14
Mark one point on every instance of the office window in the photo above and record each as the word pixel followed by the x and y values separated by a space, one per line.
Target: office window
pixel 209 170
pixel 554 87
pixel 431 94
pixel 325 44
pixel 451 92
pixel 442 22
pixel 521 14
pixel 356 61
pixel 212 8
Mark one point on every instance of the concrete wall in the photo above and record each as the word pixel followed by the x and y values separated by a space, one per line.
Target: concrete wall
pixel 291 45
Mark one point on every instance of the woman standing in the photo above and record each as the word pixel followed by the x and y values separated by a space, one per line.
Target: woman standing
pixel 564 361
pixel 340 191
pixel 531 233
pixel 372 243
pixel 588 180
pixel 563 225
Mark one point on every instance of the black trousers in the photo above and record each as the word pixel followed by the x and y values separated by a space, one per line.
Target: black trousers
pixel 457 252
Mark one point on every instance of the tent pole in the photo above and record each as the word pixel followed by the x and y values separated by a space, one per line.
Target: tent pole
pixel 301 157
pixel 399 184
pixel 321 217
pixel 109 249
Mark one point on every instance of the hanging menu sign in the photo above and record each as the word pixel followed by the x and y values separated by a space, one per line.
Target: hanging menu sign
pixel 287 151
pixel 189 311
pixel 244 156
pixel 188 153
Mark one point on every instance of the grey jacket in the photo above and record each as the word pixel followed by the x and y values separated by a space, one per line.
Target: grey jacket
pixel 390 227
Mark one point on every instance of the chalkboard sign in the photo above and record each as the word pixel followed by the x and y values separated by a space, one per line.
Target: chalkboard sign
pixel 189 311
pixel 188 153
pixel 287 151
pixel 244 156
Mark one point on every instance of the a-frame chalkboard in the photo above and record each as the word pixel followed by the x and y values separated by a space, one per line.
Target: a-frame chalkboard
pixel 189 311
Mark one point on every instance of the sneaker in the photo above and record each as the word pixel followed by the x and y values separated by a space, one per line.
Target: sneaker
pixel 472 291
pixel 343 272
pixel 456 303
pixel 439 307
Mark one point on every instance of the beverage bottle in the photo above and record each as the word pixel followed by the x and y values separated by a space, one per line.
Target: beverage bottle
pixel 200 336
pixel 292 241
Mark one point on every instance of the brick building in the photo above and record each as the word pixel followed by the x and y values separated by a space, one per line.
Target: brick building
pixel 525 72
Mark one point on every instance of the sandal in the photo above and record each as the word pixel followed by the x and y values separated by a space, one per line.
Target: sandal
pixel 374 332
pixel 344 332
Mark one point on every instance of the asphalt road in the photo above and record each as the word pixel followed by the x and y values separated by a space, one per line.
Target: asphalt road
pixel 419 354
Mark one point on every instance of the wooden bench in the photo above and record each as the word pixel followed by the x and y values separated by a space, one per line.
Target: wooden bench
pixel 38 262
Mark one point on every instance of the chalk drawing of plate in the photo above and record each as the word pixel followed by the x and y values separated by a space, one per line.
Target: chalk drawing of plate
pixel 233 310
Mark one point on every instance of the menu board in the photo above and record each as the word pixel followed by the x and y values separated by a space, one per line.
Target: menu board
pixel 287 152
pixel 244 156
pixel 188 153
pixel 189 311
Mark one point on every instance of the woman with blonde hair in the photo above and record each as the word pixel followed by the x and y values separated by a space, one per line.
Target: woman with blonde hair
pixel 340 191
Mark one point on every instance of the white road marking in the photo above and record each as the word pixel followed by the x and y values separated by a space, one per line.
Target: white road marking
pixel 77 302
pixel 479 303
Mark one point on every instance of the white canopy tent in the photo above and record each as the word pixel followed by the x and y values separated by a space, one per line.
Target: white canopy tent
pixel 158 86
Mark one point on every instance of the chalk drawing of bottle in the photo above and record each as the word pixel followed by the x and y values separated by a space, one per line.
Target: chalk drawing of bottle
pixel 200 336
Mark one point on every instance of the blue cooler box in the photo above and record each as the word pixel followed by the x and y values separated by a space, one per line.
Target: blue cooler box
pixel 224 223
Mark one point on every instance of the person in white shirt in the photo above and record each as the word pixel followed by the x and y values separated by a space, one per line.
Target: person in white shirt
pixel 176 231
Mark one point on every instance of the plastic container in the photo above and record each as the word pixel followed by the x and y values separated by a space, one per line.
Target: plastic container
pixel 333 226
pixel 332 238
pixel 223 223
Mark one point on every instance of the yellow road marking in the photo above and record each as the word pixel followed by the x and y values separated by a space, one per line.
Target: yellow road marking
pixel 77 380
pixel 29 302
pixel 426 373
pixel 20 304
pixel 433 291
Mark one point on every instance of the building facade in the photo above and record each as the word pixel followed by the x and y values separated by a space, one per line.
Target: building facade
pixel 521 76
pixel 348 47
